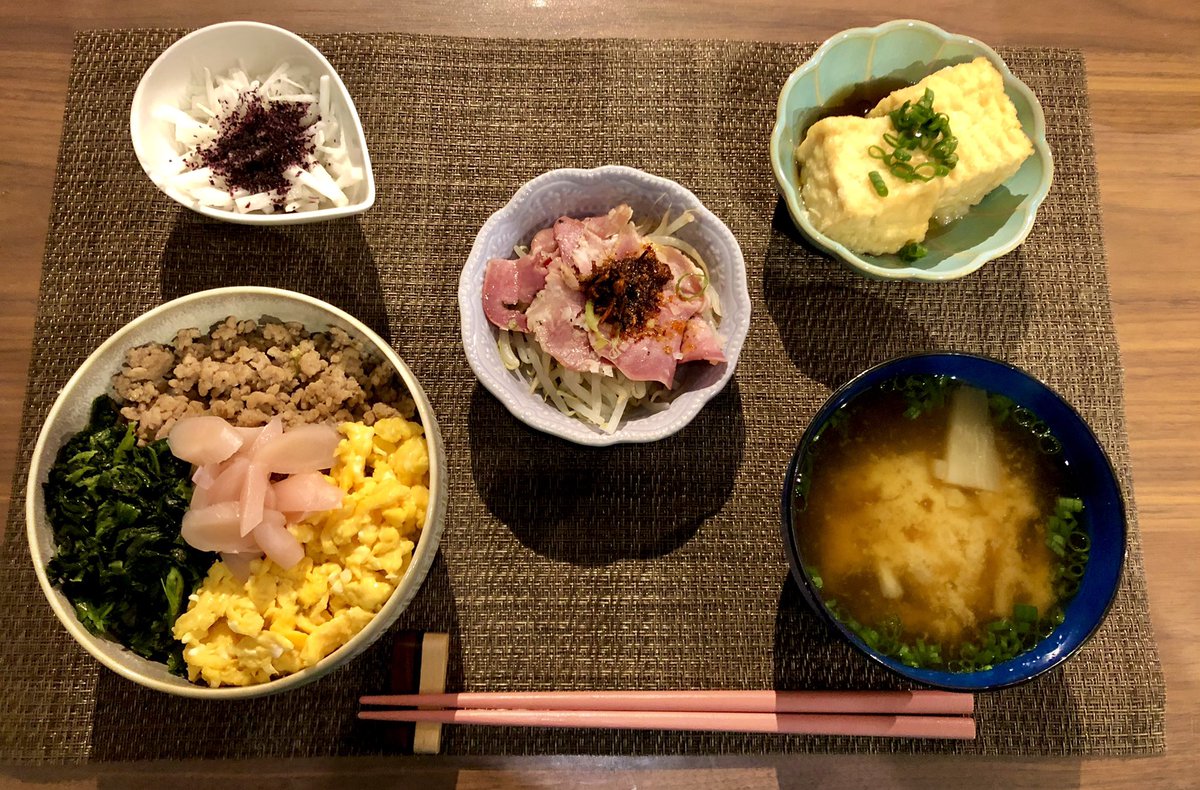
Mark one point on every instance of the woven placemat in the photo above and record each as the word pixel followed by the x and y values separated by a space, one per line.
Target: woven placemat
pixel 562 567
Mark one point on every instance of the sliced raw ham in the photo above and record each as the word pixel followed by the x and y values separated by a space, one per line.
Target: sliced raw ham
pixel 649 359
pixel 701 343
pixel 621 239
pixel 306 492
pixel 682 330
pixel 543 242
pixel 203 440
pixel 556 320
pixel 501 294
pixel 616 221
pixel 510 285
pixel 280 545
pixel 676 261
pixel 578 247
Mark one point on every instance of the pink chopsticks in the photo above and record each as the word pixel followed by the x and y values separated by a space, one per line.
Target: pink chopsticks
pixel 896 714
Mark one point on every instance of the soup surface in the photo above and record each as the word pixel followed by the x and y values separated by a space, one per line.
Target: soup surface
pixel 913 560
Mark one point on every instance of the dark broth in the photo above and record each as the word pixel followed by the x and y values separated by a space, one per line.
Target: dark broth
pixel 907 559
pixel 858 99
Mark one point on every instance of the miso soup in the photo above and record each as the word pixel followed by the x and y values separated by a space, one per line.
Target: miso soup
pixel 939 524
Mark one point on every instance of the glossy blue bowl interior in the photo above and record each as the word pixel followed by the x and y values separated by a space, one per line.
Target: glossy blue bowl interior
pixel 1090 473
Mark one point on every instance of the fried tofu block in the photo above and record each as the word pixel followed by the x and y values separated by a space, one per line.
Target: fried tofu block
pixel 991 144
pixel 838 194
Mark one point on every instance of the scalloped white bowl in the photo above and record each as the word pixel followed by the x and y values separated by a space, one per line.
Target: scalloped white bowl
pixel 259 47
pixel 582 193
pixel 911 50
pixel 69 414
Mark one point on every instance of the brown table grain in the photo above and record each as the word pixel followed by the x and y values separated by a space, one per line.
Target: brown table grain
pixel 1144 84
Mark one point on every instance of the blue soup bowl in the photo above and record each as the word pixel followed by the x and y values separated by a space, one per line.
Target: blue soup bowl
pixel 1088 468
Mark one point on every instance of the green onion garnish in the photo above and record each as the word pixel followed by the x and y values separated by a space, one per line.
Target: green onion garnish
pixel 1024 613
pixel 918 127
pixel 913 251
pixel 688 296
pixel 877 182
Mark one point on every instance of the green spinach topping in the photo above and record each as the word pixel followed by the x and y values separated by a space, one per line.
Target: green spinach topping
pixel 116 510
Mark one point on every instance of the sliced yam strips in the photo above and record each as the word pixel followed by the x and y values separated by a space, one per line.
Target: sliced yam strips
pixel 237 507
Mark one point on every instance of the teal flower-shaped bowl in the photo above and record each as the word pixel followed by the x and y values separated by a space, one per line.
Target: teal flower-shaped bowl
pixel 910 50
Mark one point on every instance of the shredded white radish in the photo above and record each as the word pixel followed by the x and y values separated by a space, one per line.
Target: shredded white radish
pixel 327 180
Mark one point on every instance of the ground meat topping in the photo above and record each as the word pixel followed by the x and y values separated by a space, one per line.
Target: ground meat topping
pixel 251 371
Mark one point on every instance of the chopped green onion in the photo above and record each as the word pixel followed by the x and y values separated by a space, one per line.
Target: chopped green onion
pixel 1024 613
pixel 913 251
pixel 918 127
pixel 696 294
pixel 881 188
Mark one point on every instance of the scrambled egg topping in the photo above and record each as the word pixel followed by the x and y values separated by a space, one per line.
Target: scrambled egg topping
pixel 278 622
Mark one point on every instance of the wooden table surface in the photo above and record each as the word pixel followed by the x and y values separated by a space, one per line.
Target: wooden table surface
pixel 1143 63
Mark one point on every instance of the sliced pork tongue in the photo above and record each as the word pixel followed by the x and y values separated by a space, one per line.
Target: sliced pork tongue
pixel 547 280
pixel 509 286
pixel 701 343
pixel 556 321
pixel 582 243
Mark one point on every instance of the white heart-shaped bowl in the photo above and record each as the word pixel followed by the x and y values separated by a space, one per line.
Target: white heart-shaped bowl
pixel 583 193
pixel 259 48
pixel 69 414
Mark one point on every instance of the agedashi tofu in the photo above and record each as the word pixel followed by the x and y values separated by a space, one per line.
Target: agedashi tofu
pixel 991 144
pixel 836 161
pixel 839 196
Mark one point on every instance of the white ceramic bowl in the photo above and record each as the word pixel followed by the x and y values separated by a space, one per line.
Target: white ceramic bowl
pixel 70 412
pixel 259 48
pixel 582 193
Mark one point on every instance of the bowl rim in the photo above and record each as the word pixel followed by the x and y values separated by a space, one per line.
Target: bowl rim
pixel 795 203
pixel 423 553
pixel 800 575
pixel 136 133
pixel 470 290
